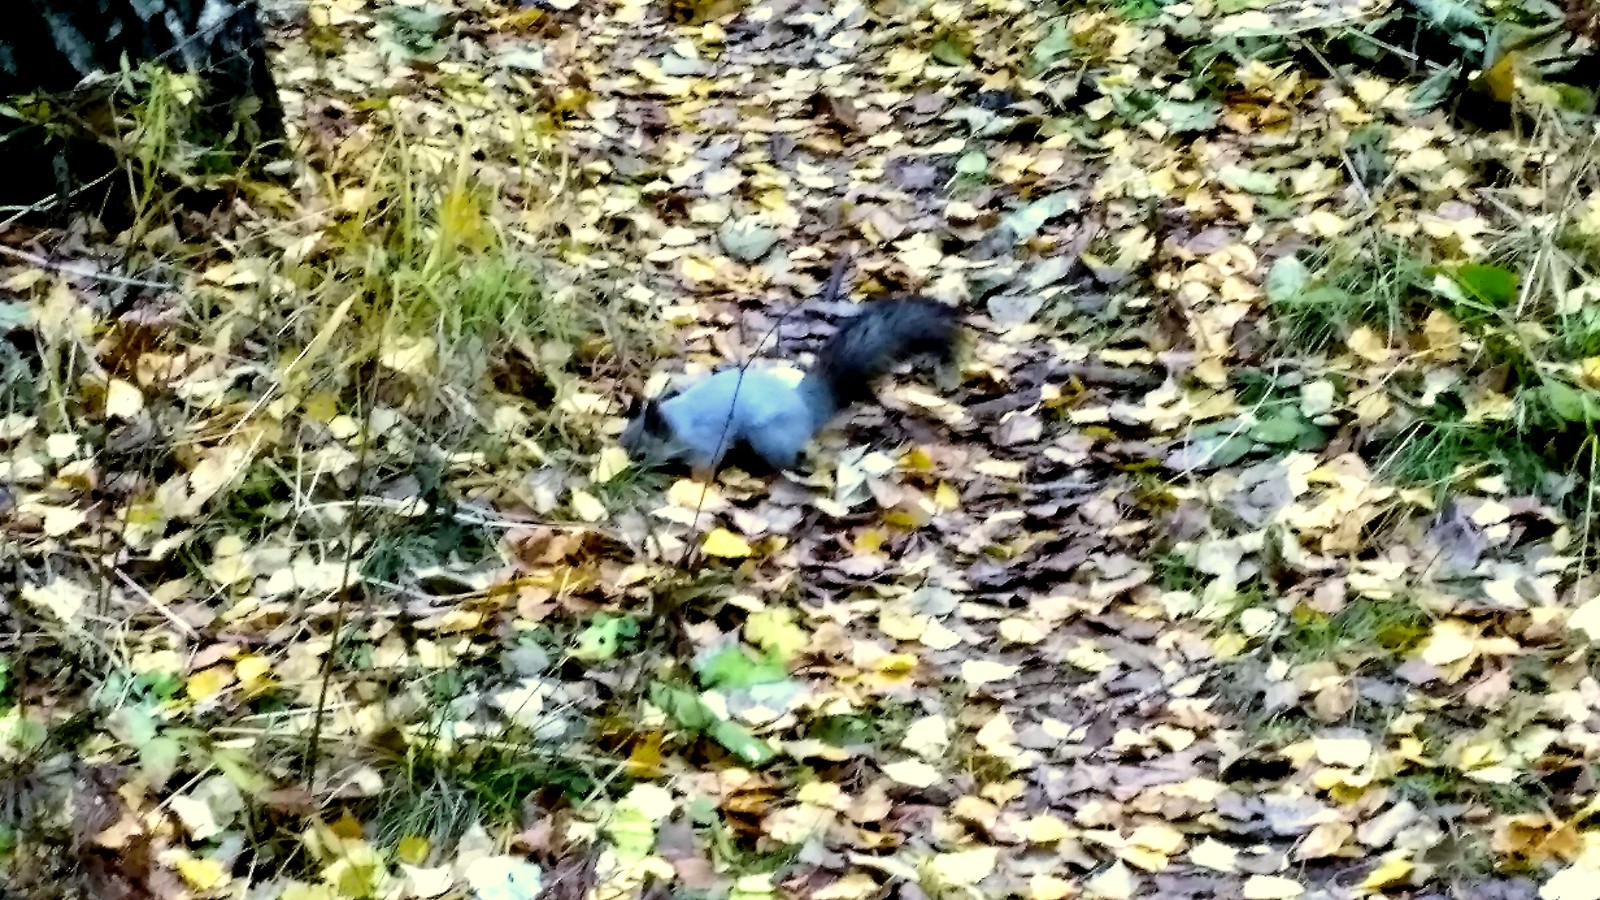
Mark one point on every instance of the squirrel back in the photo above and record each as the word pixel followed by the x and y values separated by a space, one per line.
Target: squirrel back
pixel 775 418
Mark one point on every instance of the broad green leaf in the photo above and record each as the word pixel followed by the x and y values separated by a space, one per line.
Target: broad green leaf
pixel 746 240
pixel 739 741
pixel 14 315
pixel 972 163
pixel 775 631
pixel 1241 179
pixel 1569 403
pixel 949 54
pixel 604 636
pixel 734 667
pixel 1057 43
pixel 1280 429
pixel 1287 279
pixel 1198 115
pixel 1490 284
pixel 1024 223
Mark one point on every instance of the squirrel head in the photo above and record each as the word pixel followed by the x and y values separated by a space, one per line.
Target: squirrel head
pixel 647 434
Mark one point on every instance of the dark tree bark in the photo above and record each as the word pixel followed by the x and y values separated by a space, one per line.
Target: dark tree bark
pixel 56 47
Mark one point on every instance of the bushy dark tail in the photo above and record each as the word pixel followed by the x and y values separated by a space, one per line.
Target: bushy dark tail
pixel 871 343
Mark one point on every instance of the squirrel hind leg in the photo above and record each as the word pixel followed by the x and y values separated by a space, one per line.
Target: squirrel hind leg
pixel 776 448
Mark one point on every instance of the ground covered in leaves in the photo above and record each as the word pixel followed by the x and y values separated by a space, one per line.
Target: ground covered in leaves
pixel 1247 554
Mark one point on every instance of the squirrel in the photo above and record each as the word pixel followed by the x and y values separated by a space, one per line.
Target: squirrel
pixel 765 413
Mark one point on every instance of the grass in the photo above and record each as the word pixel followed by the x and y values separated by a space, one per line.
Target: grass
pixel 375 353
pixel 1373 281
pixel 437 792
pixel 1383 629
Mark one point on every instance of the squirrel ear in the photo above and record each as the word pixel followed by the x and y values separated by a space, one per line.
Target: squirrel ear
pixel 654 421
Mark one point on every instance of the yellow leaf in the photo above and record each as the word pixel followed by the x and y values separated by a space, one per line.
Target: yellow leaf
pixel 1044 829
pixel 1393 871
pixel 319 343
pixel 62 520
pixel 215 471
pixel 913 772
pixel 63 598
pixel 928 737
pixel 946 498
pixel 775 631
pixel 1352 752
pixel 1578 882
pixel 123 400
pixel 725 544
pixel 983 671
pixel 686 493
pixel 964 868
pixel 1365 343
pixel 613 462
pixel 1115 883
pixel 1325 840
pixel 1501 78
pixel 698 269
pixel 255 672
pixel 208 683
pixel 588 507
pixel 1586 618
pixel 1271 887
pixel 408 355
pixel 1451 640
pixel 1323 223
pixel 197 818
pixel 1044 886
pixel 202 874
pixel 1021 631
pixel 1214 854
pixel 460 217
pixel 412 850
pixel 1144 858
pixel 1160 837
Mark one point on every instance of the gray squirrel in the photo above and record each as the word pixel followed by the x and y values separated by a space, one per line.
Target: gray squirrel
pixel 762 411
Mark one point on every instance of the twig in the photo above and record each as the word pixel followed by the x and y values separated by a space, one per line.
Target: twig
pixel 80 271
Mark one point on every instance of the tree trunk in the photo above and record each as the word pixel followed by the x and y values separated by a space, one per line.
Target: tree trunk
pixel 56 47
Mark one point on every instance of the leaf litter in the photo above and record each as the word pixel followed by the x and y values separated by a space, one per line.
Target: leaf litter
pixel 1250 556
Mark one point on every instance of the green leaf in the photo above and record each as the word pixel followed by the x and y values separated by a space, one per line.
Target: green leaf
pixel 1457 20
pixel 734 667
pixel 1198 115
pixel 13 315
pixel 1435 88
pixel 739 741
pixel 1287 279
pixel 241 770
pixel 1024 223
pixel 1056 44
pixel 682 706
pixel 949 54
pixel 972 163
pixel 1205 453
pixel 1241 179
pixel 1570 403
pixel 1280 429
pixel 776 632
pixel 689 711
pixel 1490 284
pixel 746 239
pixel 604 637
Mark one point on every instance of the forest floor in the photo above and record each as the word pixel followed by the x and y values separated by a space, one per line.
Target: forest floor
pixel 1247 551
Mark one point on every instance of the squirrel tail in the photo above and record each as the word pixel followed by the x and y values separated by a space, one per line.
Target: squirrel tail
pixel 871 343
